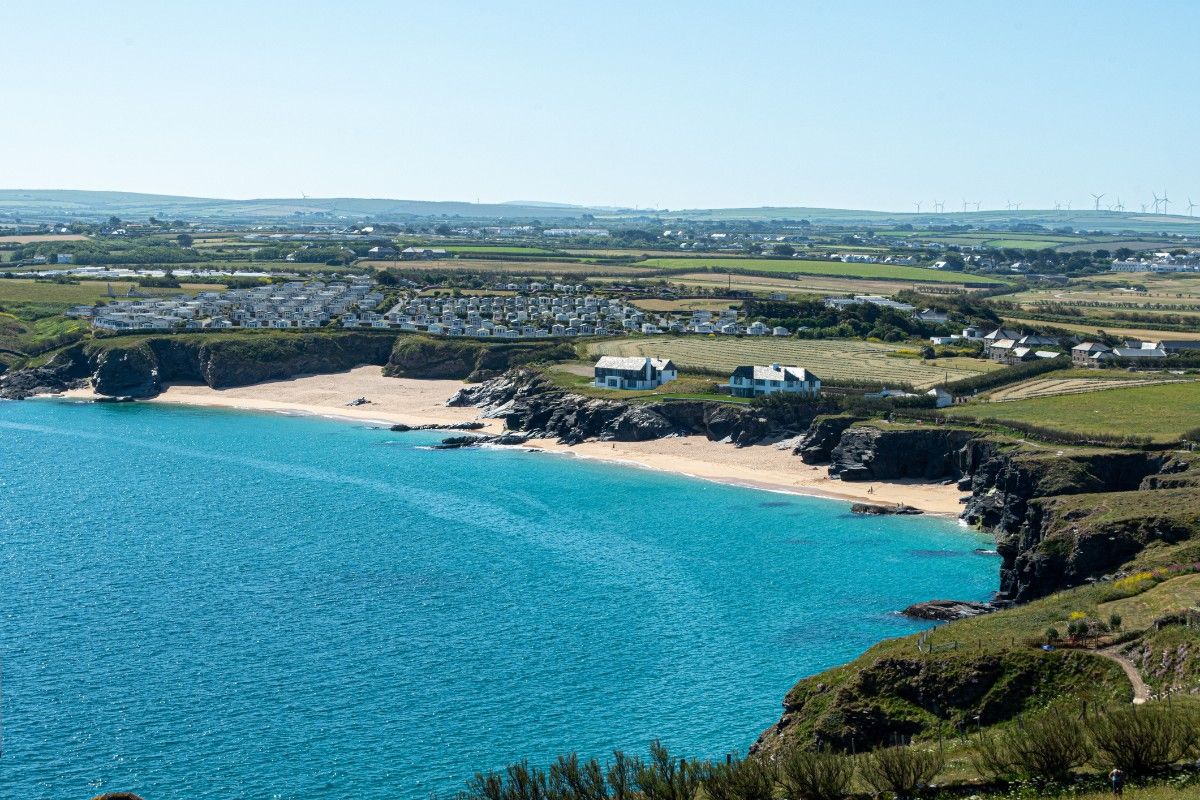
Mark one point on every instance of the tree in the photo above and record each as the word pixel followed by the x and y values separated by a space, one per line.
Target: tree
pixel 1143 740
pixel 114 222
pixel 785 250
pixel 184 239
pixel 442 230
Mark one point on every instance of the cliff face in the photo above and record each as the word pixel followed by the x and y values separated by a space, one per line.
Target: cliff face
pixel 868 452
pixel 138 367
pixel 467 359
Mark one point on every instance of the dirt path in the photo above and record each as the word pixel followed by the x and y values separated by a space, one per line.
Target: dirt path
pixel 1141 692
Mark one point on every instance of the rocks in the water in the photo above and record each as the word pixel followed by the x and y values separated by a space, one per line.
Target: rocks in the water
pixel 880 509
pixel 458 442
pixel 400 427
pixel 121 398
pixel 946 610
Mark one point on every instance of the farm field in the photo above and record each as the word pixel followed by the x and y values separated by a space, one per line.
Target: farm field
pixel 1092 330
pixel 33 238
pixel 516 250
pixel 792 266
pixel 686 304
pixel 1050 387
pixel 801 284
pixel 1162 411
pixel 507 267
pixel 829 359
pixel 21 291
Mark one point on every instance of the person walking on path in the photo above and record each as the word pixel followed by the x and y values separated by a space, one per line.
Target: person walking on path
pixel 1117 779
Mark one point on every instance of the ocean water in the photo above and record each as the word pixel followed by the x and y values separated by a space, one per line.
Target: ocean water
pixel 209 604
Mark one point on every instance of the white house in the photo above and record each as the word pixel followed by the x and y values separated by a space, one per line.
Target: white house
pixel 753 381
pixel 633 372
pixel 942 398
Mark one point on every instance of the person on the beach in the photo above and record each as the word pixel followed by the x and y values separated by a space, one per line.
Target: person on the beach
pixel 1117 779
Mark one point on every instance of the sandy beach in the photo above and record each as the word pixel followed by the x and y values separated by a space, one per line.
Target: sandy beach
pixel 420 402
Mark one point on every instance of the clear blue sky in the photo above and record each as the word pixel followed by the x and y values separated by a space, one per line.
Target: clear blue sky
pixel 672 104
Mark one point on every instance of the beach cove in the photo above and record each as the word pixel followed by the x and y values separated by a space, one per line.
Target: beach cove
pixel 423 402
pixel 205 603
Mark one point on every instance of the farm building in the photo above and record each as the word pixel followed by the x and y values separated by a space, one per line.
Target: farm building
pixel 1088 353
pixel 753 381
pixel 633 372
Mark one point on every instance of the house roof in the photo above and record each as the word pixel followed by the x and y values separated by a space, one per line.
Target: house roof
pixel 1003 344
pixel 770 373
pixel 633 362
pixel 1139 352
pixel 1090 347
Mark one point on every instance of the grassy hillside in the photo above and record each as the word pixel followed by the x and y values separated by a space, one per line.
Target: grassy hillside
pixel 1161 411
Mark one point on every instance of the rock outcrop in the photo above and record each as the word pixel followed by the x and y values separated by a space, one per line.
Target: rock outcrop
pixel 884 452
pixel 816 446
pixel 140 366
pixel 459 442
pixel 883 509
pixel 946 610
pixel 529 403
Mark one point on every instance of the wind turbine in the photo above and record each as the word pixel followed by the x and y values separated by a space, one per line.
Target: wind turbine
pixel 938 206
pixel 1017 206
pixel 918 205
pixel 1057 206
pixel 964 205
pixel 1157 201
pixel 1097 197
pixel 1119 206
pixel 1191 205
pixel 1143 208
pixel 1008 204
pixel 978 203
pixel 1165 201
pixel 1068 205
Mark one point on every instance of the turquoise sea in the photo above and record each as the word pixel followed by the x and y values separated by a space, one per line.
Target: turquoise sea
pixel 209 604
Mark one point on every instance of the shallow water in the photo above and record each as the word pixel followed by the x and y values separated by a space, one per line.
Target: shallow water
pixel 208 604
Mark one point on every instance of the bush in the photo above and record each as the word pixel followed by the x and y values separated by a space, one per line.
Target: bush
pixel 809 775
pixel 1144 740
pixel 1044 749
pixel 740 779
pixel 665 778
pixel 903 771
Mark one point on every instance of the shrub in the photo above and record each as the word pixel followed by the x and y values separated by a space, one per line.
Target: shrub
pixel 1052 634
pixel 1114 621
pixel 740 779
pixel 1144 740
pixel 809 775
pixel 665 778
pixel 1044 749
pixel 903 771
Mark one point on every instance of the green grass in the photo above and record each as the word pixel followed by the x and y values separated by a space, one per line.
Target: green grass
pixel 577 378
pixel 803 266
pixel 1162 411
pixel 500 249
pixel 829 359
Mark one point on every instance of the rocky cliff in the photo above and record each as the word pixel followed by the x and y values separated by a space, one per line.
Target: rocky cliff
pixel 870 452
pixel 468 359
pixel 139 366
